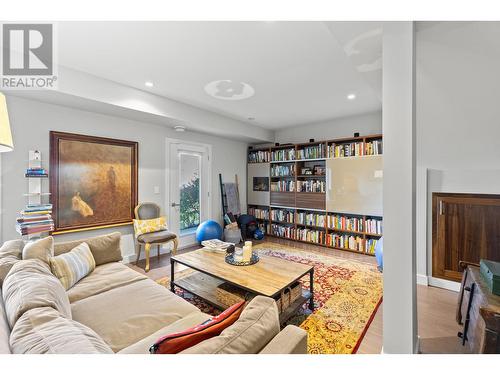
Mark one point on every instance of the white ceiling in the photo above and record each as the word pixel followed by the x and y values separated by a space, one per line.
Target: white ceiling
pixel 301 71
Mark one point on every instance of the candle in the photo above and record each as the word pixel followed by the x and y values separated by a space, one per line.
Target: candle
pixel 247 253
pixel 248 243
pixel 238 254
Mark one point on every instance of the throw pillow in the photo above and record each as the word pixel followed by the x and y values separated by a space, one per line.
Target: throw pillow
pixel 255 328
pixel 42 249
pixel 177 342
pixel 105 248
pixel 73 266
pixel 11 252
pixel 149 226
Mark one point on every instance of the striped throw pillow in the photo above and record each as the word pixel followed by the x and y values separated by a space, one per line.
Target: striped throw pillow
pixel 73 266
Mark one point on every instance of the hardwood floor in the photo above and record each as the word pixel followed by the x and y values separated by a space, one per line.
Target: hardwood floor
pixel 436 307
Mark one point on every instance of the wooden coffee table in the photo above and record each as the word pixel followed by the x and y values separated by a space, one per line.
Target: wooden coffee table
pixel 269 277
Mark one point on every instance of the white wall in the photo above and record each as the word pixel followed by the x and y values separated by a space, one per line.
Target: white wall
pixel 369 123
pixel 31 122
pixel 458 115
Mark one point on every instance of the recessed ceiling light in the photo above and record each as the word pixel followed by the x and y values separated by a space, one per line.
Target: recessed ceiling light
pixel 148 84
pixel 179 128
pixel 351 96
pixel 225 89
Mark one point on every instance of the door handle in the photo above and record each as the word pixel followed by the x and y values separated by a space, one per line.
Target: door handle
pixel 175 204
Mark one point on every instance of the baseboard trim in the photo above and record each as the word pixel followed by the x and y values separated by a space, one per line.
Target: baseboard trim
pixel 422 279
pixel 417 345
pixel 445 284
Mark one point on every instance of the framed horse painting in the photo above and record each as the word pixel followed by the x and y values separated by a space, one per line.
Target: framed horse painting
pixel 93 181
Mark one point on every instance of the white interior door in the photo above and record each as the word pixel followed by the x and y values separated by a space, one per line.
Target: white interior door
pixel 188 197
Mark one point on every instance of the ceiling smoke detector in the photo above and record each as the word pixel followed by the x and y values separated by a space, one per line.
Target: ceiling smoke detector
pixel 179 128
pixel 225 89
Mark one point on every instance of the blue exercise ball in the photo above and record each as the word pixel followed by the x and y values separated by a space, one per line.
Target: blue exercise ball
pixel 379 252
pixel 258 234
pixel 208 230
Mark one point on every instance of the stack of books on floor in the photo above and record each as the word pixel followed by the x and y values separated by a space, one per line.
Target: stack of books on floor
pixel 35 219
pixel 36 172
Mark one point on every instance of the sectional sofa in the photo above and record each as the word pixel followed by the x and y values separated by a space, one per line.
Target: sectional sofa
pixel 116 310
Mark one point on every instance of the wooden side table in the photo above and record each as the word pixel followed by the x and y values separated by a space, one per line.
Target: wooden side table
pixel 478 311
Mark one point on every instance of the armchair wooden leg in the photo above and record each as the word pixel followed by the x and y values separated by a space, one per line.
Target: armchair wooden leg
pixel 159 247
pixel 138 250
pixel 147 247
pixel 176 244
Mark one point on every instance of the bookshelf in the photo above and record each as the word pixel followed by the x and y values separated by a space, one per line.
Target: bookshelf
pixel 35 220
pixel 297 199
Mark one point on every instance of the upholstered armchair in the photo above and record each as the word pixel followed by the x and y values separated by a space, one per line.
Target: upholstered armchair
pixel 146 211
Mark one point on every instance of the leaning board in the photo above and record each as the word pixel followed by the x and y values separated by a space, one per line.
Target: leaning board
pixel 354 185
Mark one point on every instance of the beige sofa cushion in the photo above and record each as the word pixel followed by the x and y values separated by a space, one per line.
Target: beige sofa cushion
pixel 257 325
pixel 142 346
pixel 105 248
pixel 125 315
pixel 44 330
pixel 105 277
pixel 10 253
pixel 292 340
pixel 42 249
pixel 73 266
pixel 4 330
pixel 30 284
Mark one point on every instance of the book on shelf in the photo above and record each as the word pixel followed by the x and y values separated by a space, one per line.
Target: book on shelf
pixel 283 186
pixel 312 152
pixel 371 243
pixel 373 147
pixel 310 235
pixel 311 219
pixel 346 241
pixel 35 175
pixel 35 218
pixel 346 150
pixel 24 231
pixel 38 207
pixel 283 170
pixel 259 213
pixel 283 231
pixel 311 186
pixel 259 156
pixel 286 154
pixel 36 172
pixel 264 228
pixel 342 222
pixel 374 226
pixel 284 216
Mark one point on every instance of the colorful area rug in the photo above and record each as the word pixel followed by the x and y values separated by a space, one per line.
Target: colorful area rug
pixel 347 294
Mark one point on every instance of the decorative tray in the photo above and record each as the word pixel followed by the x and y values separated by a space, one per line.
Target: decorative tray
pixel 230 259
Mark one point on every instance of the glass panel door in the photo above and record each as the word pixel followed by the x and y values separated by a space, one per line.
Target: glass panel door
pixel 188 181
pixel 189 186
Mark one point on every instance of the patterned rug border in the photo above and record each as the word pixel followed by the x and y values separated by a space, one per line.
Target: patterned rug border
pixel 322 258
